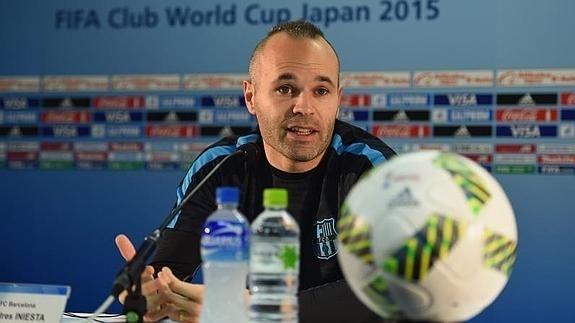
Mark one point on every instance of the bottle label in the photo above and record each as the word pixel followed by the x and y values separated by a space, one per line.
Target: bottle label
pixel 274 258
pixel 225 241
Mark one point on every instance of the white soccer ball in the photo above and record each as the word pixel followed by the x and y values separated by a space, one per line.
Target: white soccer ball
pixel 427 236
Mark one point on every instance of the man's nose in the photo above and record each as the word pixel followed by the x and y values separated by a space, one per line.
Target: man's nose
pixel 303 104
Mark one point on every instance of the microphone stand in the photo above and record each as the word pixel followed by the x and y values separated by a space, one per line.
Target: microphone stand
pixel 135 306
pixel 130 274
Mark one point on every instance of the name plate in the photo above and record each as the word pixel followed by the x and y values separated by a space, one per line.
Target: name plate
pixel 32 302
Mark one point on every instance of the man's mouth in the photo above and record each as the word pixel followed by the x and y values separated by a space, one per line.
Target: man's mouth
pixel 301 131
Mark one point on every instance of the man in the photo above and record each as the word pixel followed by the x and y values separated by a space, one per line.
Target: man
pixel 294 94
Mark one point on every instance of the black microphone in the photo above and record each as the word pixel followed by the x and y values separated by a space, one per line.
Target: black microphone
pixel 130 273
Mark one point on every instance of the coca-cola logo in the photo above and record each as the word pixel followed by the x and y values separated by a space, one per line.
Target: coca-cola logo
pixel 62 117
pixel 112 102
pixel 170 131
pixel 94 156
pixel 118 102
pixel 527 114
pixel 569 99
pixel 356 100
pixel 126 146
pixel 392 131
pixel 66 117
pixel 513 115
pixel 164 131
pixel 557 159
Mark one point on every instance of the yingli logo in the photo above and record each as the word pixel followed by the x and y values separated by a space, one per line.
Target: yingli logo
pixel 528 114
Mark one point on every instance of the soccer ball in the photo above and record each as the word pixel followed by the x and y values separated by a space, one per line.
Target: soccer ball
pixel 427 235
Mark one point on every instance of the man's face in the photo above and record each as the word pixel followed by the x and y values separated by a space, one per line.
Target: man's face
pixel 295 98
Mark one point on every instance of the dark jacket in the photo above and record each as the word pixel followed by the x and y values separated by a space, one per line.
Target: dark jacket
pixel 314 200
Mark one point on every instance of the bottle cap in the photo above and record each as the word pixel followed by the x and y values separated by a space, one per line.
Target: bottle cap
pixel 275 197
pixel 227 194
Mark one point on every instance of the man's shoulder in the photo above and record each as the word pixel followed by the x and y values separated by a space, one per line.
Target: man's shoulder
pixel 353 139
pixel 233 143
pixel 351 132
pixel 228 145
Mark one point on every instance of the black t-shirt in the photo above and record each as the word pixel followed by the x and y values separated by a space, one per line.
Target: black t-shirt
pixel 314 198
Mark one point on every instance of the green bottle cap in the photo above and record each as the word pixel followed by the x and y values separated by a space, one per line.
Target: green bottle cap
pixel 275 197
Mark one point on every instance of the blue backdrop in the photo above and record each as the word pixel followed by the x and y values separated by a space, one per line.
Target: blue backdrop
pixel 58 225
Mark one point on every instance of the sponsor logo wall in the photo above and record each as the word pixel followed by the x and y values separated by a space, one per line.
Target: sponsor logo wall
pixel 509 121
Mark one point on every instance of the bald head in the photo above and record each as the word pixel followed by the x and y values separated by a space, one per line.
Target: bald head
pixel 294 29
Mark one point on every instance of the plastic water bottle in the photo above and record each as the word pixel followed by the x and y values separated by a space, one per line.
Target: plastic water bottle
pixel 274 262
pixel 225 251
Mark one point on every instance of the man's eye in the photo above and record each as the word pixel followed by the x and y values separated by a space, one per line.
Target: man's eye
pixel 284 90
pixel 322 91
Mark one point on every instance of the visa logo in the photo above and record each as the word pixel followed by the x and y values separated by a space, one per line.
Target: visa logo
pixel 462 99
pixel 525 131
pixel 117 116
pixel 16 103
pixel 226 101
pixel 64 131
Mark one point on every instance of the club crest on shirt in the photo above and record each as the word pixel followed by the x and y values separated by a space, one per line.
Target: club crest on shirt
pixel 325 242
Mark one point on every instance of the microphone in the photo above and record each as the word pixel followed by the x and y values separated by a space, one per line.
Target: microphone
pixel 130 273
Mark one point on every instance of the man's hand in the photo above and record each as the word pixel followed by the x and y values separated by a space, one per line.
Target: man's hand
pixel 166 295
pixel 184 299
pixel 156 303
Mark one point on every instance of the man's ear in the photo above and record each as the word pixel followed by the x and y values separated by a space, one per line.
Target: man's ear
pixel 249 96
pixel 340 97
